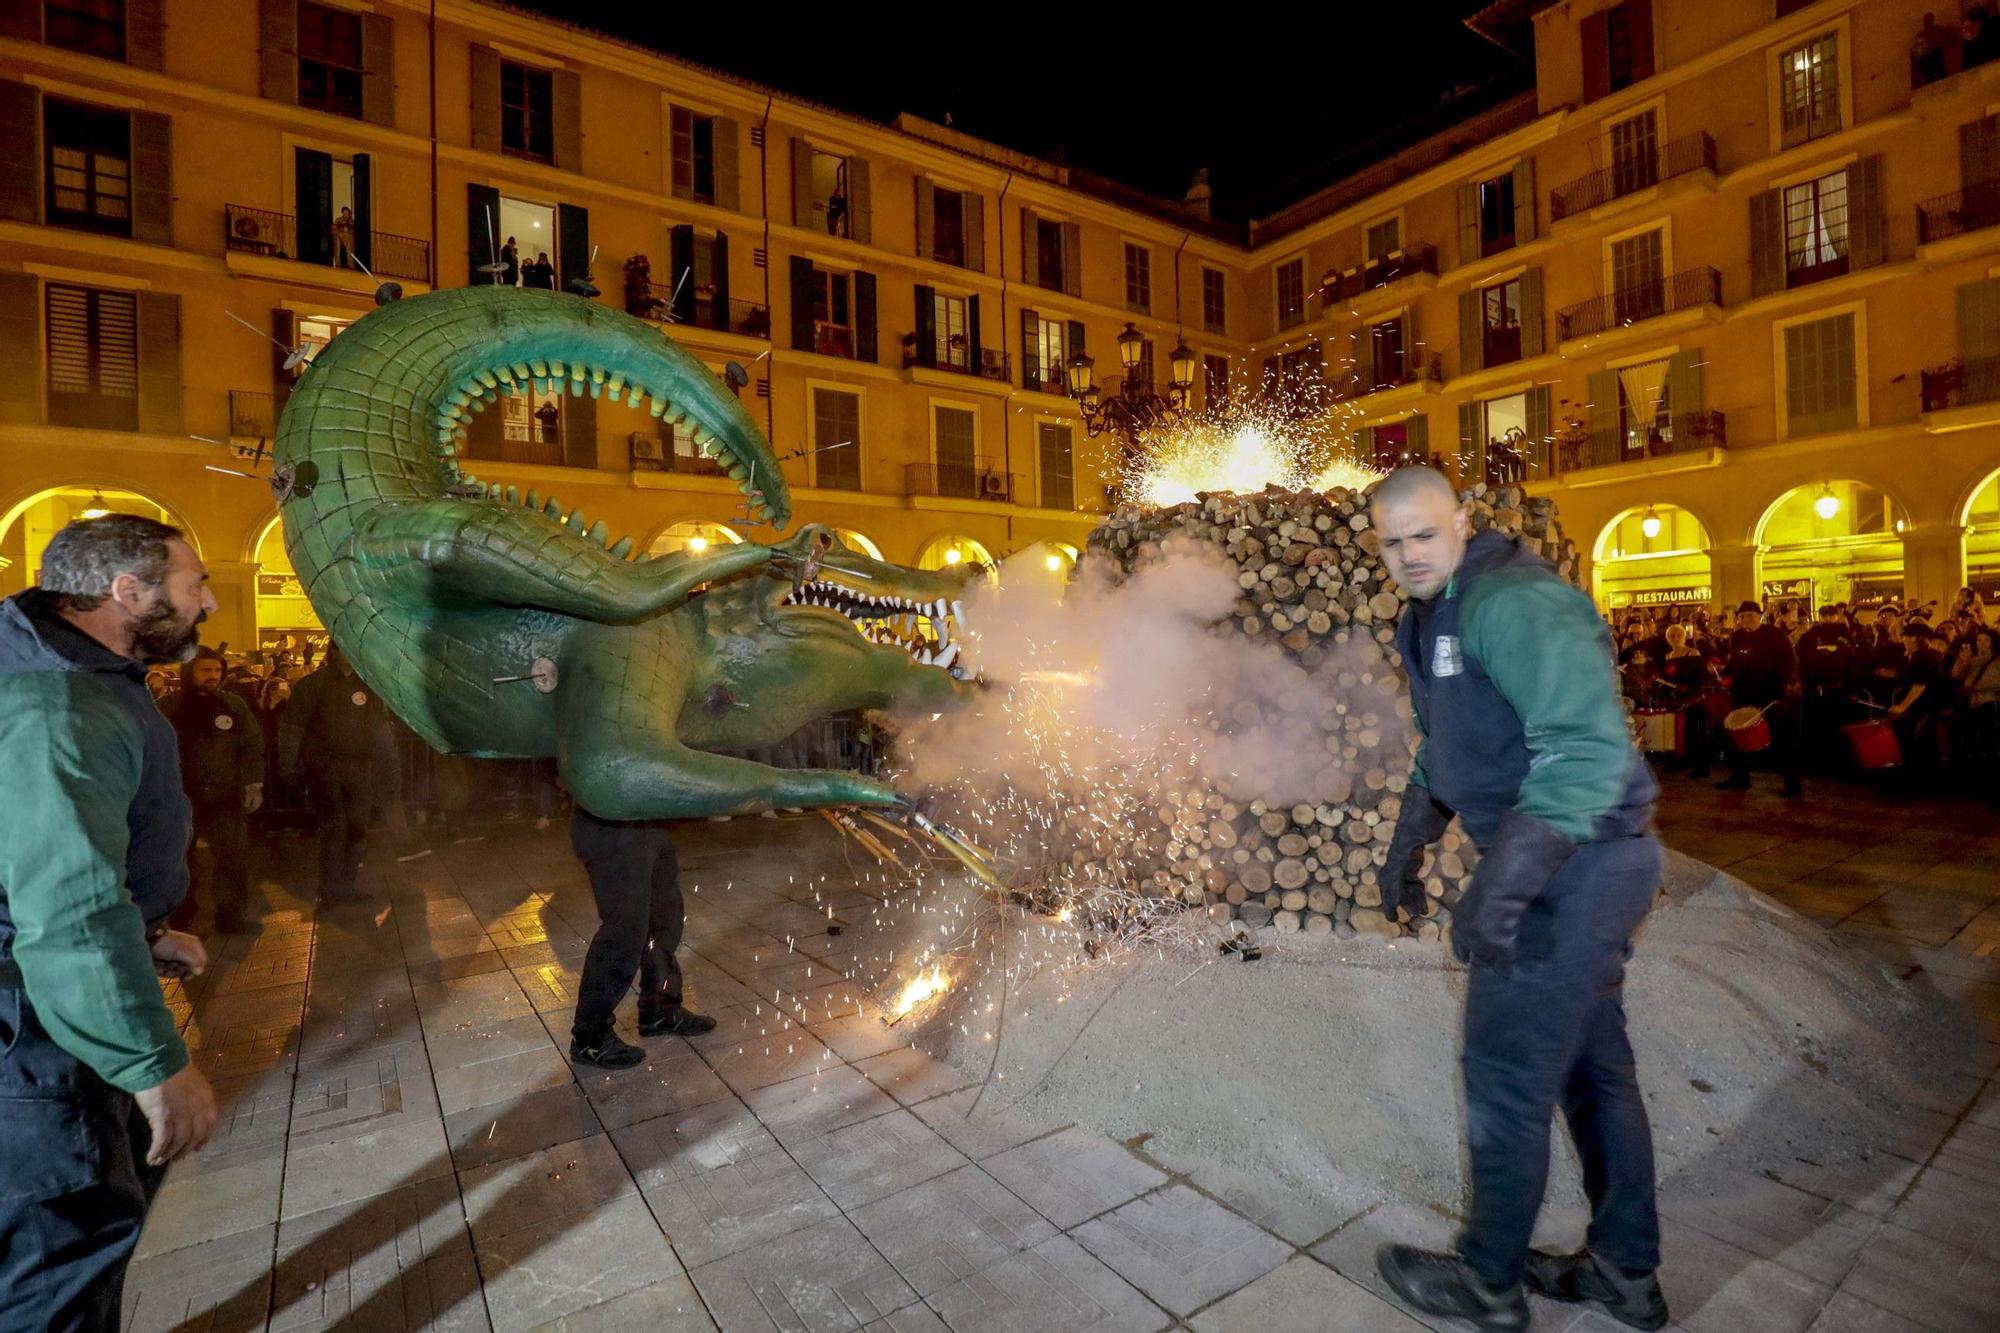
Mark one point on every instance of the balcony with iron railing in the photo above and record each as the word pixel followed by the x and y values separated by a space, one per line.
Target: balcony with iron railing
pixel 1684 433
pixel 1961 383
pixel 1396 373
pixel 1970 209
pixel 744 318
pixel 258 231
pixel 981 479
pixel 1631 174
pixel 1378 273
pixel 252 415
pixel 665 453
pixel 1691 290
pixel 955 357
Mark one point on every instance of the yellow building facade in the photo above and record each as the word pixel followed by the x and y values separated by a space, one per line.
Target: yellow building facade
pixel 1723 284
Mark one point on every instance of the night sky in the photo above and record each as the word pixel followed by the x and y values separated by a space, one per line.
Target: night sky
pixel 1268 99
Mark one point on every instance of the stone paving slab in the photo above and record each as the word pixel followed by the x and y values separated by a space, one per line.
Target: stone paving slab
pixel 872 1159
pixel 824 1279
pixel 1303 1296
pixel 1182 1250
pixel 1073 1176
pixel 225 1284
pixel 947 1229
pixel 572 1262
pixel 401 1260
pixel 1055 1285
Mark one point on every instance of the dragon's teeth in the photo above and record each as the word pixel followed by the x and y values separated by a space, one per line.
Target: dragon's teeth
pixel 947 655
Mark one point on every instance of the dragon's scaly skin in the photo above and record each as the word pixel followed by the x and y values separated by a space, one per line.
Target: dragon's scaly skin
pixel 435 584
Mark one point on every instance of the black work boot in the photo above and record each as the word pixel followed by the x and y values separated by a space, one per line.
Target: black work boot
pixel 1444 1284
pixel 676 1022
pixel 1636 1302
pixel 609 1051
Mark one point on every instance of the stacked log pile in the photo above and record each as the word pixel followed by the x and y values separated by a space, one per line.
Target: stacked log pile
pixel 1314 586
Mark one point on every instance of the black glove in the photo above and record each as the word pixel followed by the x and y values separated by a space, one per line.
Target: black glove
pixel 1515 870
pixel 1421 823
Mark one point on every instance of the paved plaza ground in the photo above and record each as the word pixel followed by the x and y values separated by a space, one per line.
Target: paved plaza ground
pixel 404 1143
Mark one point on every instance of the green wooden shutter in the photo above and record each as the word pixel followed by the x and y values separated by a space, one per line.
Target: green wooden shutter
pixel 972 356
pixel 1471 332
pixel 21 346
pixel 1468 223
pixel 1363 340
pixel 1767 242
pixel 718 277
pixel 20 151
pixel 486 102
pixel 378 69
pixel 926 325
pixel 680 151
pixel 22 22
pixel 482 224
pixel 1979 320
pixel 152 178
pixel 1030 257
pixel 1684 394
pixel 579 430
pixel 1864 212
pixel 566 117
pixel 1604 443
pixel 727 136
pixel 1417 436
pixel 1539 429
pixel 1031 350
pixel 680 273
pixel 866 340
pixel 1471 441
pixel 802 305
pixel 145 35
pixel 1978 152
pixel 974 212
pixel 1524 201
pixel 1531 313
pixel 573 244
pixel 364 210
pixel 860 201
pixel 312 199
pixel 926 216
pixel 278 50
pixel 1074 346
pixel 1364 445
pixel 802 185
pixel 1596 57
pixel 284 334
pixel 159 363
pixel 1072 241
pixel 1639 22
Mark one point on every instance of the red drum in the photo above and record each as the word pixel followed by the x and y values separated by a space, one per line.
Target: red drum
pixel 1748 730
pixel 1874 744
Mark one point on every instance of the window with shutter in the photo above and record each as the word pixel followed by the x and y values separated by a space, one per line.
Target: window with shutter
pixel 1215 381
pixel 1496 214
pixel 527 112
pixel 93 351
pixel 87 159
pixel 1051 354
pixel 692 144
pixel 1816 236
pixel 832 194
pixel 1055 448
pixel 836 439
pixel 1214 301
pixel 955 435
pixel 1638 276
pixel 1386 355
pixel 1138 279
pixel 1291 279
pixel 1384 238
pixel 833 313
pixel 1821 383
pixel 332 68
pixel 1051 264
pixel 1809 90
pixel 1500 323
pixel 953 339
pixel 948 227
pixel 1635 153
pixel 92 27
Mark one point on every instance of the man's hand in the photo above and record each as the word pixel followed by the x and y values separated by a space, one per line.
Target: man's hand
pixel 253 798
pixel 178 954
pixel 180 1111
pixel 1525 855
pixel 1421 823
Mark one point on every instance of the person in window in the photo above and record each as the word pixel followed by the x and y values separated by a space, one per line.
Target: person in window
pixel 343 238
pixel 1928 50
pixel 510 255
pixel 541 273
pixel 836 213
pixel 548 422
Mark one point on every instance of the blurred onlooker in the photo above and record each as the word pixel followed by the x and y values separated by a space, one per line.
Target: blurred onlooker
pixel 222 771
pixel 330 738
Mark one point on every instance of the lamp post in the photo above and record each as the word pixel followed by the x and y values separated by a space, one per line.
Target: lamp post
pixel 1134 406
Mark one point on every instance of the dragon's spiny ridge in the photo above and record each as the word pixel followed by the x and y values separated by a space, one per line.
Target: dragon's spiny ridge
pixel 496 624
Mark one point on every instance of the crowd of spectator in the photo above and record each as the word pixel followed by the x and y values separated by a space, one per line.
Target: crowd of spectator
pixel 1942 49
pixel 1932 675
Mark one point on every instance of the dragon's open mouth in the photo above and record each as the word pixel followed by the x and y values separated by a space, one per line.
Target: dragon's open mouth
pixel 485 386
pixel 930 632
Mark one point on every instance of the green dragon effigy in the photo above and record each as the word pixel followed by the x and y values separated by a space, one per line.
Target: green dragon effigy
pixel 495 624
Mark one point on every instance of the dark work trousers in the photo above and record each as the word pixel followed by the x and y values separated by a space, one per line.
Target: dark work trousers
pixel 342 801
pixel 226 830
pixel 74 1184
pixel 1550 1031
pixel 635 877
pixel 1783 718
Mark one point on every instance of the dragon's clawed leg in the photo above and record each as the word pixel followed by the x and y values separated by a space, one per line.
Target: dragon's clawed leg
pixel 510 557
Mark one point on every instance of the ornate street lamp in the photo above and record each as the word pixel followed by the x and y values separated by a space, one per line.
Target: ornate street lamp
pixel 1134 406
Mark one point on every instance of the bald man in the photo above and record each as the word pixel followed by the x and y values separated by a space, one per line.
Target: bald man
pixel 1523 738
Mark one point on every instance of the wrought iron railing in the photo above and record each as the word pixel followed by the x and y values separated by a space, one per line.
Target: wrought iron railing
pixel 1409 368
pixel 982 479
pixel 1960 383
pixel 747 318
pixel 1687 432
pixel 660 453
pixel 991 364
pixel 1393 267
pixel 1633 174
pixel 1647 300
pixel 1953 214
pixel 252 415
pixel 259 231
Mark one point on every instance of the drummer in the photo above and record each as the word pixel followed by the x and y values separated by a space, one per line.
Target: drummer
pixel 1762 669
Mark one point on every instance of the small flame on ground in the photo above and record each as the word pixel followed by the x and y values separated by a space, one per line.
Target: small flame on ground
pixel 919 988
